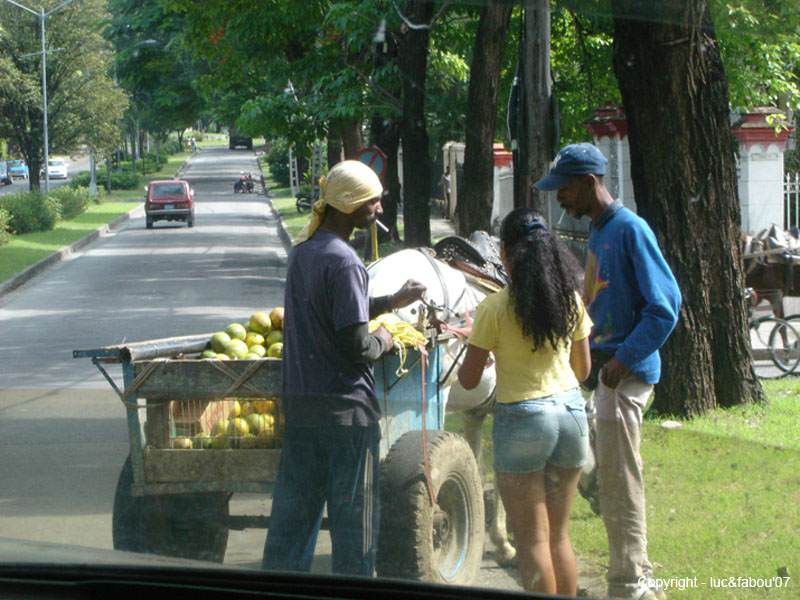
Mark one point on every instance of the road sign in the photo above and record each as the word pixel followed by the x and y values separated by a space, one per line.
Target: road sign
pixel 373 158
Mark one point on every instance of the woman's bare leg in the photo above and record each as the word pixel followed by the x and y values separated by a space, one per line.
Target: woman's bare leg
pixel 524 497
pixel 561 485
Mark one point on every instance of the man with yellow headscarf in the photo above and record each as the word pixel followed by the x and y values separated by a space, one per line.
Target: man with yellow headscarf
pixel 330 451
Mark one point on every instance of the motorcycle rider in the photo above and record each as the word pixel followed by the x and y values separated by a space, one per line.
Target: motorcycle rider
pixel 245 183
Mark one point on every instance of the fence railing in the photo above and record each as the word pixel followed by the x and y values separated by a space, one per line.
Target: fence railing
pixel 791 200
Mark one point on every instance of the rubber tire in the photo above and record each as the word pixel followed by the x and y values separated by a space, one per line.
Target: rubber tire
pixel 191 526
pixel 148 222
pixel 406 545
pixel 190 221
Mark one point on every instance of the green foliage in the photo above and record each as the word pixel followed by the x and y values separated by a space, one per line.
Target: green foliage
pixel 278 161
pixel 760 46
pixel 171 146
pixel 71 201
pixel 84 104
pixel 124 180
pixel 791 161
pixel 153 66
pixel 83 178
pixel 30 212
pixel 5 218
pixel 120 180
pixel 581 59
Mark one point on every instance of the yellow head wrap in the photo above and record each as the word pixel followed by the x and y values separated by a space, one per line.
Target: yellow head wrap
pixel 348 186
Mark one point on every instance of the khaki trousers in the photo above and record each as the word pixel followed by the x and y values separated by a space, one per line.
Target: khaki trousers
pixel 619 473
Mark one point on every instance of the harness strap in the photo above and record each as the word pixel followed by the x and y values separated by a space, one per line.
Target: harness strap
pixel 439 276
pixel 426 459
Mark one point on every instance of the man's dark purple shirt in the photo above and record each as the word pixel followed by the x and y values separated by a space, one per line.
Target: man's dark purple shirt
pixel 326 291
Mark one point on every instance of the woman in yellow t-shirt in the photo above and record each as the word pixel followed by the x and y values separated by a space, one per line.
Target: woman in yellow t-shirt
pixel 538 330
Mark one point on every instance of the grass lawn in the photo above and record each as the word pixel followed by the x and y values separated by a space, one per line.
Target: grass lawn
pixel 24 250
pixel 723 498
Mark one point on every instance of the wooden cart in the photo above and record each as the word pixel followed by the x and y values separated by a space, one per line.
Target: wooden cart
pixel 175 501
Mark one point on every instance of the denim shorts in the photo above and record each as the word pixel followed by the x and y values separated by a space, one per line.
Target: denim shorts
pixel 528 435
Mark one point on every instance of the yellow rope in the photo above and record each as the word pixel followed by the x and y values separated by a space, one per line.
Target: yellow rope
pixel 403 334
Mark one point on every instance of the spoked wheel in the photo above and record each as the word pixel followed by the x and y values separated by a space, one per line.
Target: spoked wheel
pixel 774 346
pixel 303 204
pixel 440 543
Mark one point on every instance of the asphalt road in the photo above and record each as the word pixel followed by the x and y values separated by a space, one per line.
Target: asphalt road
pixel 63 434
pixel 62 429
pixel 75 166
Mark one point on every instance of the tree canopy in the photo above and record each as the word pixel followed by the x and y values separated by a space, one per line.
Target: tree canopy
pixel 153 66
pixel 84 104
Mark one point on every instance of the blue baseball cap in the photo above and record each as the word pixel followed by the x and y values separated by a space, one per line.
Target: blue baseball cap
pixel 575 159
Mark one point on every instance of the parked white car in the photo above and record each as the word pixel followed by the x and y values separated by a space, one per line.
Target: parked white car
pixel 57 168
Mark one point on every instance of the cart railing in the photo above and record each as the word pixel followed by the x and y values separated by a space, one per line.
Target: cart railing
pixel 168 396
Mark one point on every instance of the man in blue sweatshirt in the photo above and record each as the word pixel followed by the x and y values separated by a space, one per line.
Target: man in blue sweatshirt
pixel 633 300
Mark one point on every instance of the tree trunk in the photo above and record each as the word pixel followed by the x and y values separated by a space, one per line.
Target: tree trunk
pixel 412 62
pixel 537 120
pixel 333 148
pixel 474 208
pixel 385 135
pixel 34 179
pixel 350 133
pixel 675 94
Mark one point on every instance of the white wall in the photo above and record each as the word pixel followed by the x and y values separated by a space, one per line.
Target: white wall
pixel 503 197
pixel 761 186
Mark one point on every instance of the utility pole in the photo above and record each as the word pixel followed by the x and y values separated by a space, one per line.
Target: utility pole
pixel 42 16
pixel 533 125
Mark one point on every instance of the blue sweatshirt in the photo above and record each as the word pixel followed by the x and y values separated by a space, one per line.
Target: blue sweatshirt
pixel 630 292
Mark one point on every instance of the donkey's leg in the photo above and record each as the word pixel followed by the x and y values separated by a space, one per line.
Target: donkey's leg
pixel 473 432
pixel 497 531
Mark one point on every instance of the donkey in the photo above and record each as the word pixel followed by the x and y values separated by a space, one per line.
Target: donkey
pixel 772 266
pixel 456 295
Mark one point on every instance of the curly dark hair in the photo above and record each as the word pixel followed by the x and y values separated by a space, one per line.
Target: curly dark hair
pixel 543 278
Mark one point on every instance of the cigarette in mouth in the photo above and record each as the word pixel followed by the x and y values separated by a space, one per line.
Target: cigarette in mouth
pixel 382 226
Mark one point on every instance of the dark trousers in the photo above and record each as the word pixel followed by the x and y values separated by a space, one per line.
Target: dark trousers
pixel 337 465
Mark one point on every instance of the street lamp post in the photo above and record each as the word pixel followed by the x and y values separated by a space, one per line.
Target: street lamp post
pixel 42 16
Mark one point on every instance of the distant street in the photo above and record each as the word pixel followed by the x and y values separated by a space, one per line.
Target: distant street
pixel 63 435
pixel 75 166
pixel 63 431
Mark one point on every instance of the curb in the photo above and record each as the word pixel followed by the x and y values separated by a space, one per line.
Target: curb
pixel 283 233
pixel 30 272
pixel 21 278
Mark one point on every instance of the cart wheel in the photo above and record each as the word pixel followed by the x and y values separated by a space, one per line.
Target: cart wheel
pixel 183 525
pixel 441 543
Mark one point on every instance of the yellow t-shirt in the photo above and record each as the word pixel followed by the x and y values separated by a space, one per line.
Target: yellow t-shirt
pixel 521 373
